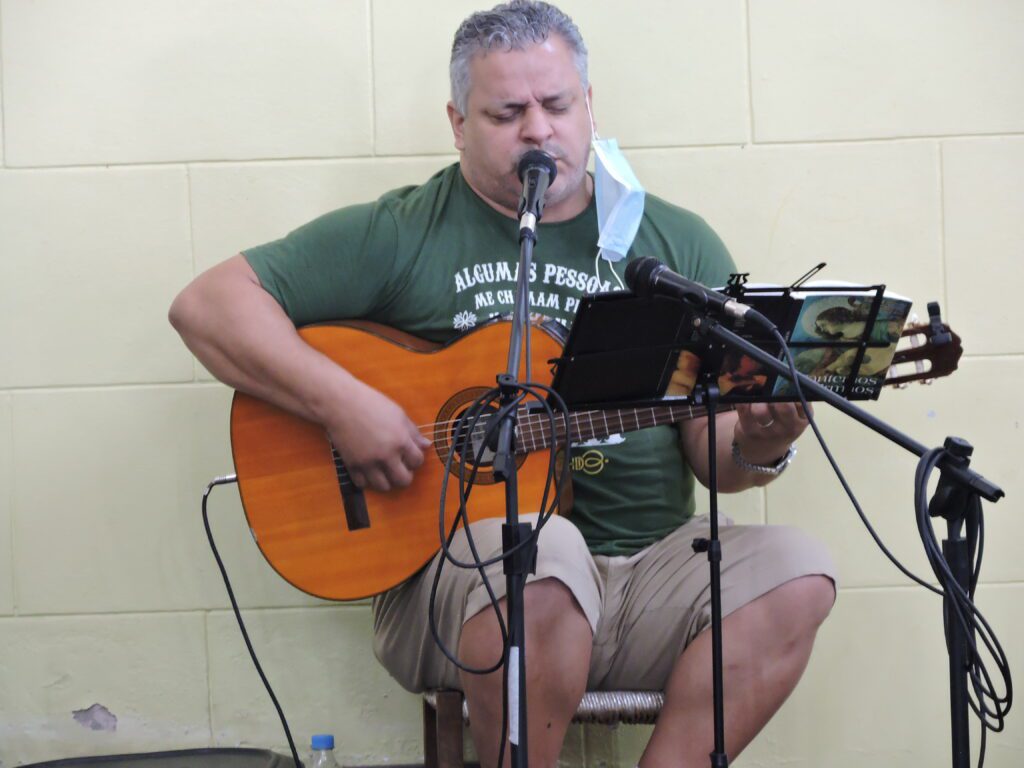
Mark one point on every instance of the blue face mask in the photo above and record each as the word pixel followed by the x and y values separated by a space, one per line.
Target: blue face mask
pixel 620 197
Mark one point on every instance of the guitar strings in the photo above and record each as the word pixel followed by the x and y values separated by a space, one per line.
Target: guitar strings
pixel 903 356
pixel 652 416
pixel 528 419
pixel 912 332
pixel 437 431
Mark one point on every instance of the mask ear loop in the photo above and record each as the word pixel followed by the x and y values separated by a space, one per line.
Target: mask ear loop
pixel 597 256
pixel 611 266
pixel 593 129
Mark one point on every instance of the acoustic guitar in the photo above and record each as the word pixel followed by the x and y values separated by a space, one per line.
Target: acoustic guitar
pixel 329 538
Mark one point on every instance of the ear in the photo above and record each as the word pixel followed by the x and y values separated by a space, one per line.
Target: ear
pixel 458 121
pixel 590 101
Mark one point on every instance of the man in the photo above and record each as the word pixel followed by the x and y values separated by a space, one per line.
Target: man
pixel 619 599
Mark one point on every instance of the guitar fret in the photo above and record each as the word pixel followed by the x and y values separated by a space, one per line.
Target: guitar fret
pixel 522 437
pixel 557 429
pixel 590 419
pixel 544 439
pixel 622 425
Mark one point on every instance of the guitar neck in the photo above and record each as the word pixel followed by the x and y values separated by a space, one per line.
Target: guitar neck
pixel 930 360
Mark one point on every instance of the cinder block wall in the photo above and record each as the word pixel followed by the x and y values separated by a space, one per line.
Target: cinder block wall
pixel 145 141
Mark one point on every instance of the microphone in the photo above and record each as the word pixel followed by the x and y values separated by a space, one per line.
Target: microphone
pixel 649 277
pixel 536 170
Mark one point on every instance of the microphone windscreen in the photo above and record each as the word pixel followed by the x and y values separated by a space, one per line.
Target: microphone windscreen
pixel 639 273
pixel 539 159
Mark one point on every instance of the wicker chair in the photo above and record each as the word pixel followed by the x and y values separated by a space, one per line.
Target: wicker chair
pixel 445 712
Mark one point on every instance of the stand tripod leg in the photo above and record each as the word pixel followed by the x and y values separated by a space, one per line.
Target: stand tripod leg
pixel 955 550
pixel 959 506
pixel 713 547
pixel 517 567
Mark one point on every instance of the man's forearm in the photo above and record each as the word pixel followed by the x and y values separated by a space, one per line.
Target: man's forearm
pixel 240 333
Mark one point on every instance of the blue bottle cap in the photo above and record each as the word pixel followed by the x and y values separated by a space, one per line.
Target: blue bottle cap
pixel 323 741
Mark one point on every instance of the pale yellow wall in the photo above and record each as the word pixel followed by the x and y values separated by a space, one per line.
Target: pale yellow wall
pixel 143 142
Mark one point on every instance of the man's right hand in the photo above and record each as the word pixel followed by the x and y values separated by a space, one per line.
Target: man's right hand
pixel 380 446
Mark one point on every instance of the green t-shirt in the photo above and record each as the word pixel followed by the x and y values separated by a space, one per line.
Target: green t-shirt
pixel 436 260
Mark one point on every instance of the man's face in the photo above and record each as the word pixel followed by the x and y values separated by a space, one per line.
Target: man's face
pixel 518 101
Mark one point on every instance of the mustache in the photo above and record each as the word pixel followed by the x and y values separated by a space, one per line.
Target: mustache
pixel 556 152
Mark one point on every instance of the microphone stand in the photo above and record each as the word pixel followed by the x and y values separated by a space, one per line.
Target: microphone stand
pixel 958 499
pixel 707 394
pixel 523 560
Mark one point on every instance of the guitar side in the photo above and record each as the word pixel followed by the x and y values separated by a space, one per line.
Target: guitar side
pixel 302 513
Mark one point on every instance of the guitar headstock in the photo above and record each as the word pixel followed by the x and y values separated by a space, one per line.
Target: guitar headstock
pixel 927 351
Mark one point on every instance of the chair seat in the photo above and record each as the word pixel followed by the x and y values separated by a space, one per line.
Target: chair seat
pixel 608 707
pixel 445 712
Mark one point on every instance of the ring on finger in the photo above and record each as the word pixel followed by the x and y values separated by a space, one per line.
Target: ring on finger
pixel 767 425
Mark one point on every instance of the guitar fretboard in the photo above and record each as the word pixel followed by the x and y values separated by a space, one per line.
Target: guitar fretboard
pixel 534 432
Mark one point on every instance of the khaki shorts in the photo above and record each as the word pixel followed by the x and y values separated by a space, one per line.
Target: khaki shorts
pixel 643 609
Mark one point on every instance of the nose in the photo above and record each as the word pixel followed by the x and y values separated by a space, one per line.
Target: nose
pixel 536 127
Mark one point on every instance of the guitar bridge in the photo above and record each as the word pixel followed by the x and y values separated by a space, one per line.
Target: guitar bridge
pixel 352 498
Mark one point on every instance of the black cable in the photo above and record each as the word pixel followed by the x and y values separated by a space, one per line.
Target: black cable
pixel 990 707
pixel 466 427
pixel 238 615
pixel 835 466
pixel 971 620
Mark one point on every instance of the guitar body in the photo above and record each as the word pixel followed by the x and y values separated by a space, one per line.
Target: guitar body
pixel 317 530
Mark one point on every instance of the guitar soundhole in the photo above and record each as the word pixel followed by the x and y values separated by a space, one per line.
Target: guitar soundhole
pixel 450 435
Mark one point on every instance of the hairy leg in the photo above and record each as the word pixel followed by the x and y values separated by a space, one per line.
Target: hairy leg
pixel 765 645
pixel 558 645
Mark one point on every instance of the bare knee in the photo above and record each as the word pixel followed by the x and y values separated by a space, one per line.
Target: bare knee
pixel 804 603
pixel 818 595
pixel 549 603
pixel 551 611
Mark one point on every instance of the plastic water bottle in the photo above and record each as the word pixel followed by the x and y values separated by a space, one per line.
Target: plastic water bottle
pixel 323 752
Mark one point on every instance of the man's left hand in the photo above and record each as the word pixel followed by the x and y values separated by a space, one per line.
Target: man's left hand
pixel 764 431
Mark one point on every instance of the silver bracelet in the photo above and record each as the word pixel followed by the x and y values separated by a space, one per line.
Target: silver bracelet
pixel 763 469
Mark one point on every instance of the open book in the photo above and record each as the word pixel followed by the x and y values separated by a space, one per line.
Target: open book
pixel 841 336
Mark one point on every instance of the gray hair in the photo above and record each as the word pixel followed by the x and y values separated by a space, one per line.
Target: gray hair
pixel 510 27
